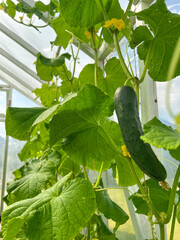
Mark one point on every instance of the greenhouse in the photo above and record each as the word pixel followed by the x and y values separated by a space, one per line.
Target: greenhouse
pixel 90 119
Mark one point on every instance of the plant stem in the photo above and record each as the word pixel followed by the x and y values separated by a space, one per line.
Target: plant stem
pixel 146 62
pixel 75 60
pixel 116 43
pixel 95 58
pixel 121 59
pixel 85 173
pixel 99 176
pixel 129 5
pixel 129 62
pixel 111 188
pixel 172 195
pixel 162 231
pixel 89 231
pixel 173 223
pixel 103 10
pixel 63 66
pixel 145 197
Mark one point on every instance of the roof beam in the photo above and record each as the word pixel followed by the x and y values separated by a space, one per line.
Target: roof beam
pixel 19 64
pixel 16 78
pixel 18 40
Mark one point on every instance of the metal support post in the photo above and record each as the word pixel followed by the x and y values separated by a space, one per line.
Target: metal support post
pixel 8 103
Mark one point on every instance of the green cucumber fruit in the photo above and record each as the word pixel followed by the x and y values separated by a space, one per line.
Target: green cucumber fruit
pixel 126 106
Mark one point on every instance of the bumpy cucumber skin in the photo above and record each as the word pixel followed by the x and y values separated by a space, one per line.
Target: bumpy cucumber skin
pixel 126 106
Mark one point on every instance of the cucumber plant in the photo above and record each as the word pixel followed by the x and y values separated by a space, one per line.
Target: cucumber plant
pixel 72 134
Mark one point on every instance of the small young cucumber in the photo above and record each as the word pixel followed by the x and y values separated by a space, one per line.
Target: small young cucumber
pixel 126 106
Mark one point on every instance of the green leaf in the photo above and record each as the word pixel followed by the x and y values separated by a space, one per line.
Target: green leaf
pixel 175 153
pixel 122 172
pixel 42 7
pixel 79 122
pixel 158 195
pixel 31 149
pixel 59 212
pixel 68 87
pixel 160 135
pixel 140 34
pixel 67 165
pixel 11 8
pixel 83 13
pixel 115 76
pixel 47 115
pixel 165 28
pixel 61 27
pixel 36 175
pixel 49 95
pixel 109 208
pixel 80 112
pixel 19 121
pixel 115 11
pixel 100 230
pixel 86 76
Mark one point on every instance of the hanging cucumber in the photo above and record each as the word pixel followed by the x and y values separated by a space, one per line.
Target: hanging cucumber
pixel 126 106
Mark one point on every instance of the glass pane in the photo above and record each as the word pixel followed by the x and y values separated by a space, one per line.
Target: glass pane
pixel 2 102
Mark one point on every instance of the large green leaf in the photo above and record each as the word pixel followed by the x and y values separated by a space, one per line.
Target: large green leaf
pixel 47 114
pixel 83 13
pixel 20 120
pixel 158 195
pixel 165 28
pixel 60 212
pixel 115 76
pixel 86 76
pixel 34 176
pixel 109 208
pixel 160 135
pixel 81 112
pixel 49 95
pixel 79 121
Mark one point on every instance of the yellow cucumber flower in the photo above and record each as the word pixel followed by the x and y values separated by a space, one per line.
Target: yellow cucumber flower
pixel 117 23
pixel 87 34
pixel 125 151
